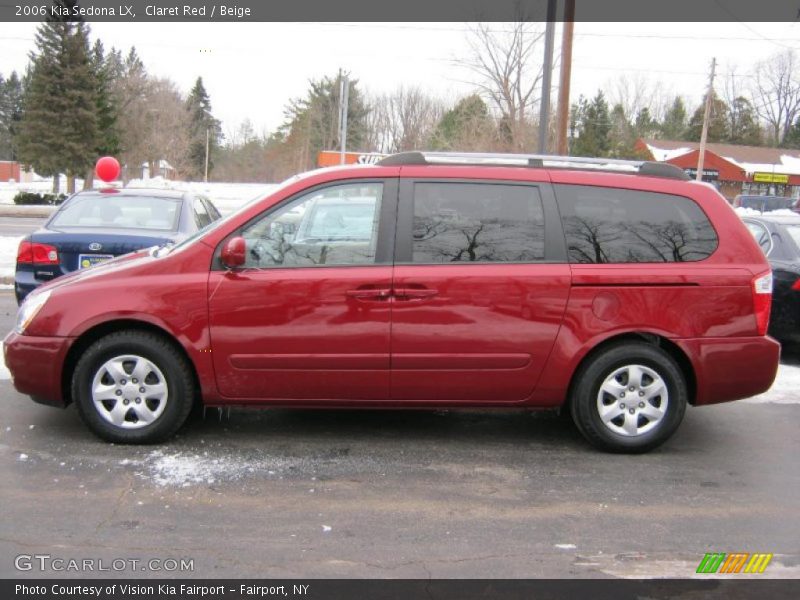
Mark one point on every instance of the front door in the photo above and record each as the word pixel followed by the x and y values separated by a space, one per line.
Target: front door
pixel 308 316
pixel 480 290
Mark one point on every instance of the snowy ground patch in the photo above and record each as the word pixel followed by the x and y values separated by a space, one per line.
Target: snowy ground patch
pixel 8 255
pixel 166 468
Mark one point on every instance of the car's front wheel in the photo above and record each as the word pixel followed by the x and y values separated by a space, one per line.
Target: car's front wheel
pixel 631 397
pixel 133 387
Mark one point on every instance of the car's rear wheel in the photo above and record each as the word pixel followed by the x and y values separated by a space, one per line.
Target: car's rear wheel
pixel 133 387
pixel 630 397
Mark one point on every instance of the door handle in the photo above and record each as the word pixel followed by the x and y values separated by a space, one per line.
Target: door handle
pixel 369 294
pixel 408 294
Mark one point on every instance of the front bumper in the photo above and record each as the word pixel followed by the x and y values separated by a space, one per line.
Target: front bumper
pixel 36 365
pixel 732 368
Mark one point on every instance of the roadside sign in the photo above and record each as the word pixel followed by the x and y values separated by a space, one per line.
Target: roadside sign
pixel 770 178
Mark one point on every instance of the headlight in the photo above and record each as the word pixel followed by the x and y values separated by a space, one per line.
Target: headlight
pixel 29 309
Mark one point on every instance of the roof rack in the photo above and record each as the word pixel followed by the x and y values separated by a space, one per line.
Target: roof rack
pixel 641 167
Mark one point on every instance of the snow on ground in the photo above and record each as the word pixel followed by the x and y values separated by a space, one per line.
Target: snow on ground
pixel 744 211
pixel 227 197
pixel 8 255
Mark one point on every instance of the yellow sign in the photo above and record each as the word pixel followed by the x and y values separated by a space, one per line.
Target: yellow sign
pixel 770 178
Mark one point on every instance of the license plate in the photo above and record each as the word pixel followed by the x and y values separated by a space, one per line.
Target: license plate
pixel 89 260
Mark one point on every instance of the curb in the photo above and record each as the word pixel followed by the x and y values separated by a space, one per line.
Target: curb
pixel 26 210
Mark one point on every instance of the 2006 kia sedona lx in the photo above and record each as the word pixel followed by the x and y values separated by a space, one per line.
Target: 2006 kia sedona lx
pixel 620 291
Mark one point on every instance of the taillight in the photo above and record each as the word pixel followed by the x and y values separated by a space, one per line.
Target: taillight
pixel 762 301
pixel 32 253
pixel 796 285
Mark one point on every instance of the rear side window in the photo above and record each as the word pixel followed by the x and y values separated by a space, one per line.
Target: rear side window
pixel 475 222
pixel 201 216
pixel 611 225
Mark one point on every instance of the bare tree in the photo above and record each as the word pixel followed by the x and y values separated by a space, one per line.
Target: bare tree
pixel 776 93
pixel 636 92
pixel 403 120
pixel 508 71
pixel 168 128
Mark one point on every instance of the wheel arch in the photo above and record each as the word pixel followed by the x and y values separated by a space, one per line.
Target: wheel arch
pixel 659 341
pixel 94 333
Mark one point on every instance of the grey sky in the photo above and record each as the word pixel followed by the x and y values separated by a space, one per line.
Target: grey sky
pixel 251 70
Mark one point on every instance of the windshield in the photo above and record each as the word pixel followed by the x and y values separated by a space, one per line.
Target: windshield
pixel 766 203
pixel 119 211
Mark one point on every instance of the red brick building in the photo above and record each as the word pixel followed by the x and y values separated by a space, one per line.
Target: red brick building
pixel 9 169
pixel 733 169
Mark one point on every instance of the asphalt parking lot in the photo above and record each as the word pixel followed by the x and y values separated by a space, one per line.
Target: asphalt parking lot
pixel 286 493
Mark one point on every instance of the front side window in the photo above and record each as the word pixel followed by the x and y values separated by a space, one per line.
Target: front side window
pixel 612 225
pixel 477 222
pixel 336 225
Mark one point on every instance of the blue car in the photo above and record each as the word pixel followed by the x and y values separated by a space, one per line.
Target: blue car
pixel 96 225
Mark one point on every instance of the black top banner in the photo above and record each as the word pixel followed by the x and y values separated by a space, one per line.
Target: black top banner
pixel 405 589
pixel 394 10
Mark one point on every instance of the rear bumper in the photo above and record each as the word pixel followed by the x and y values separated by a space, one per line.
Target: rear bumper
pixel 36 365
pixel 729 369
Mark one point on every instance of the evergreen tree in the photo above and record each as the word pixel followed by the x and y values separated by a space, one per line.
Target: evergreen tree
pixel 592 127
pixel 674 124
pixel 11 95
pixel 645 125
pixel 622 135
pixel 718 122
pixel 203 128
pixel 464 125
pixel 105 68
pixel 743 123
pixel 58 132
pixel 312 122
pixel 792 138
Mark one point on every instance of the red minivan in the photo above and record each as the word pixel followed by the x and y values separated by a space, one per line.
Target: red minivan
pixel 618 290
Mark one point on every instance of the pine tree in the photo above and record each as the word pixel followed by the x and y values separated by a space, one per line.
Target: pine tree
pixel 466 126
pixel 104 69
pixel 203 126
pixel 622 136
pixel 743 123
pixel 58 132
pixel 674 125
pixel 718 122
pixel 593 126
pixel 792 138
pixel 11 95
pixel 312 123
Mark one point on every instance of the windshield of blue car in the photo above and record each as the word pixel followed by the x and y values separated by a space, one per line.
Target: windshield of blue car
pixel 119 211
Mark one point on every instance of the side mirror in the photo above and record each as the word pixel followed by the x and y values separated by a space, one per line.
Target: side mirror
pixel 233 252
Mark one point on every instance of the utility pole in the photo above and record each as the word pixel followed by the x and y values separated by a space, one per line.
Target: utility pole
pixel 709 95
pixel 564 79
pixel 205 178
pixel 544 111
pixel 344 97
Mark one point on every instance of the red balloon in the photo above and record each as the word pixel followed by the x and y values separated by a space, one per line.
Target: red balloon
pixel 107 168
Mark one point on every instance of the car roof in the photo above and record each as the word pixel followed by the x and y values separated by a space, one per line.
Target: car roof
pixel 139 192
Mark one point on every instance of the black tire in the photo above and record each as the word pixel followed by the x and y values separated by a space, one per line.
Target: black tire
pixel 177 375
pixel 594 373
